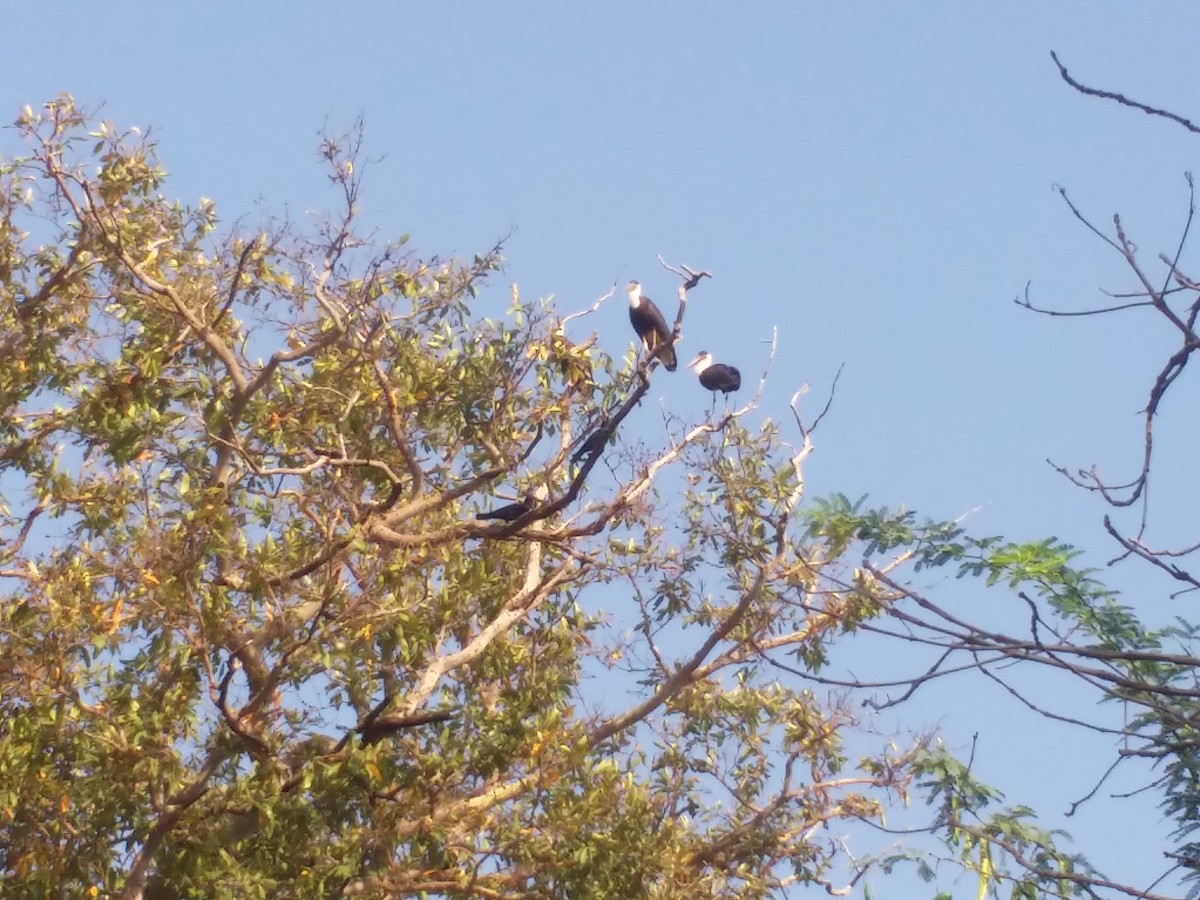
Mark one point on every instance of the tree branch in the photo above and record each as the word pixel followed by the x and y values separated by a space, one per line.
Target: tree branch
pixel 1121 98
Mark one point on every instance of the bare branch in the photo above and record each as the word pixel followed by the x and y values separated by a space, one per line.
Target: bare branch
pixel 591 309
pixel 690 277
pixel 1121 98
pixel 1027 304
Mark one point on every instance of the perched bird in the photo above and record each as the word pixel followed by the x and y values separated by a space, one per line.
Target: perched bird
pixel 650 326
pixel 593 443
pixel 512 511
pixel 376 729
pixel 715 376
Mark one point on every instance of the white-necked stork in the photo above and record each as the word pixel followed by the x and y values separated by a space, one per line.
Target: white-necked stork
pixel 650 326
pixel 715 376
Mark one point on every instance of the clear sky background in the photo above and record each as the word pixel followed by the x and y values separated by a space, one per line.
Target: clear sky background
pixel 873 179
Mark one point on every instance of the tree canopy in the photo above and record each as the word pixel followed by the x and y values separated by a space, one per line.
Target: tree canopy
pixel 255 640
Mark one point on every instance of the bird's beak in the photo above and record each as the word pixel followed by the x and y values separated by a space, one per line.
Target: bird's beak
pixel 696 360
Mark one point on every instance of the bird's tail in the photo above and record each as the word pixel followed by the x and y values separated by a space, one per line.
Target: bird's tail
pixel 667 355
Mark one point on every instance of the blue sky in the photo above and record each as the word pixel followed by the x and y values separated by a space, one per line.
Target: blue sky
pixel 874 180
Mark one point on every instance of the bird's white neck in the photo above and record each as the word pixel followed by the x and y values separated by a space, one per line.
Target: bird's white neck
pixel 635 296
pixel 699 365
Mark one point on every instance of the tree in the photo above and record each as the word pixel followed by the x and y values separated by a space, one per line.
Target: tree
pixel 254 640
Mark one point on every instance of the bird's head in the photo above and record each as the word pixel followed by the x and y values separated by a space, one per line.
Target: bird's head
pixel 634 291
pixel 702 361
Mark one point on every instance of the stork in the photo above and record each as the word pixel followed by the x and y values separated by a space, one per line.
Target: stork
pixel 650 326
pixel 715 376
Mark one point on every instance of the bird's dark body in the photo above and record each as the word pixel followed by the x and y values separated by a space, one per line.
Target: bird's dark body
pixel 652 328
pixel 508 513
pixel 375 730
pixel 594 443
pixel 720 377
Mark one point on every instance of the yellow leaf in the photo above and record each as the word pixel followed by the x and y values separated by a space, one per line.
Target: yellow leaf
pixel 373 770
pixel 985 873
pixel 150 578
pixel 116 615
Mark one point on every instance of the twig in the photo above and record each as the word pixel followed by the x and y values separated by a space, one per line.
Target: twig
pixel 591 309
pixel 1026 304
pixel 690 277
pixel 1121 98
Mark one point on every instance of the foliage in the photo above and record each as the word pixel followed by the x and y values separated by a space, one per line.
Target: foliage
pixel 1074 623
pixel 253 640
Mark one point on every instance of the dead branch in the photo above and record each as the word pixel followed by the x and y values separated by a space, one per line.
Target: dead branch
pixel 690 277
pixel 1121 98
pixel 1025 303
